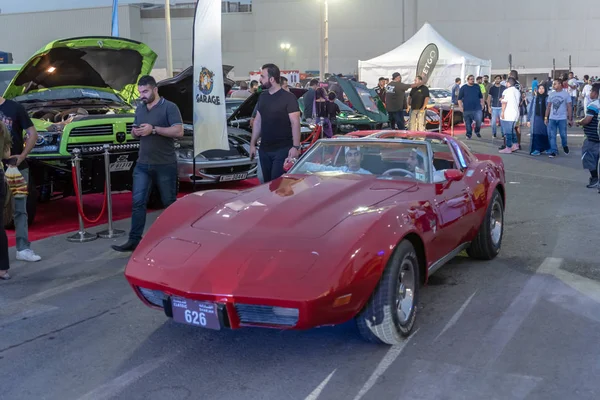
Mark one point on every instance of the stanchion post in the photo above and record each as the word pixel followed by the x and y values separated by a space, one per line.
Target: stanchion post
pixel 441 119
pixel 81 236
pixel 452 120
pixel 110 232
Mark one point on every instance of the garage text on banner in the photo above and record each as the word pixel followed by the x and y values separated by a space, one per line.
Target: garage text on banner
pixel 210 122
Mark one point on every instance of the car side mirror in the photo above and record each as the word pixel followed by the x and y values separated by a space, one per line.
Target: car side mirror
pixel 453 175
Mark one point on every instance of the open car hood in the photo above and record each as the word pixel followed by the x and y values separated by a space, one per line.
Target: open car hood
pixel 363 99
pixel 180 90
pixel 105 63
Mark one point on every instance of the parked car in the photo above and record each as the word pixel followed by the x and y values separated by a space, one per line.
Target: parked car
pixel 80 93
pixel 212 166
pixel 323 245
pixel 7 73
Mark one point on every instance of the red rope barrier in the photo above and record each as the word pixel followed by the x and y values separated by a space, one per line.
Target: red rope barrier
pixel 79 206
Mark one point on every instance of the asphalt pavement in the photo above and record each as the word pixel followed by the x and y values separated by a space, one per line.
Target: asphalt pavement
pixel 523 326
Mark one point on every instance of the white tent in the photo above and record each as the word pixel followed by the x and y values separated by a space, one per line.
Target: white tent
pixel 452 63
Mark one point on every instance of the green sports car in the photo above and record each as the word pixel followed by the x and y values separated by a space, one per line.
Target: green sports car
pixel 81 93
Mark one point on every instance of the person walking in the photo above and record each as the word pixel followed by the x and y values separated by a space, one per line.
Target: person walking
pixel 510 115
pixel 535 121
pixel 277 124
pixel 417 101
pixel 395 100
pixel 591 145
pixel 494 103
pixel 157 123
pixel 470 102
pixel 309 100
pixel 16 119
pixel 558 113
pixel 5 145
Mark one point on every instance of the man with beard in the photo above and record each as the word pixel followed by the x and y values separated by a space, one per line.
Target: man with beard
pixel 277 123
pixel 157 123
pixel 380 89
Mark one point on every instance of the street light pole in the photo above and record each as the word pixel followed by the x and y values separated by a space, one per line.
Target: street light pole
pixel 168 38
pixel 326 40
pixel 286 49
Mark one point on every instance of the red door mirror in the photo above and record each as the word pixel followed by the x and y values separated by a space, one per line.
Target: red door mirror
pixel 452 175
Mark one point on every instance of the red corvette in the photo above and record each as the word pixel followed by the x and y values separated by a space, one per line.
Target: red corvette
pixel 350 232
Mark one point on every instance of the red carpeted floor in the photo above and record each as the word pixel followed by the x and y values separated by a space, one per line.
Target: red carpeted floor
pixel 60 216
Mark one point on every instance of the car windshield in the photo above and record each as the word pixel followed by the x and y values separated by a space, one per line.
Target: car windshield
pixel 384 159
pixel 440 93
pixel 231 106
pixel 71 94
pixel 5 78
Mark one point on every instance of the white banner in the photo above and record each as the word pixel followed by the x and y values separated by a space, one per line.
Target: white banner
pixel 210 121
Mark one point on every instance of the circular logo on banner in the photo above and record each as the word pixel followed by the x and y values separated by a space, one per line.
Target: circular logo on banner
pixel 206 81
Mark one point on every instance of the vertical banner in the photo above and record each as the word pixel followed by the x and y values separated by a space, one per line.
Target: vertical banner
pixel 427 61
pixel 114 30
pixel 210 121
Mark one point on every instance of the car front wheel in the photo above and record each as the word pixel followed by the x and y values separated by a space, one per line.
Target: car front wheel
pixel 390 314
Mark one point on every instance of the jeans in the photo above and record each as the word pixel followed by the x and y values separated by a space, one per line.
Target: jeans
pixel 496 112
pixel 508 129
pixel 398 120
pixel 4 261
pixel 165 177
pixel 20 218
pixel 471 116
pixel 417 120
pixel 271 162
pixel 553 125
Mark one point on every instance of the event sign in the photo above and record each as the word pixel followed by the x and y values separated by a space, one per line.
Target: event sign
pixel 210 121
pixel 427 61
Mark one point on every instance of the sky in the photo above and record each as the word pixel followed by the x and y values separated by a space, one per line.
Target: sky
pixel 13 6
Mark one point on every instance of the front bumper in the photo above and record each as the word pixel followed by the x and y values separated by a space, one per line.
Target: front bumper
pixel 214 171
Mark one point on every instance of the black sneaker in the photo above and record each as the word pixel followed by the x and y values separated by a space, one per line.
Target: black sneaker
pixel 552 155
pixel 593 183
pixel 502 147
pixel 478 134
pixel 566 149
pixel 125 248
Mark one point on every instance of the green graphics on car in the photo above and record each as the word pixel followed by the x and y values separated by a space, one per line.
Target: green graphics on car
pixel 81 93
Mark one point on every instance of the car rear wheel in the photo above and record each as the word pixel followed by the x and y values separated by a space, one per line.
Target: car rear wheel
pixel 390 314
pixel 488 241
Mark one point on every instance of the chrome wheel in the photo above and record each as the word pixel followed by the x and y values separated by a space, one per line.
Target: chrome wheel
pixel 496 222
pixel 405 299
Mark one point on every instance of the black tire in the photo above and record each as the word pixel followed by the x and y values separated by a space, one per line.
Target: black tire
pixel 379 321
pixel 488 241
pixel 9 206
pixel 154 201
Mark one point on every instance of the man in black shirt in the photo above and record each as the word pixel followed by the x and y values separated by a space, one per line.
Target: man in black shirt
pixel 277 123
pixel 494 103
pixel 395 102
pixel 17 120
pixel 380 89
pixel 417 101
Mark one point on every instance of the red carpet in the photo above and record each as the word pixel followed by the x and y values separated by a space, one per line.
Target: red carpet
pixel 60 216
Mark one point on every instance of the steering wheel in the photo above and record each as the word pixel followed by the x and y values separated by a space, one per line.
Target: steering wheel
pixel 405 171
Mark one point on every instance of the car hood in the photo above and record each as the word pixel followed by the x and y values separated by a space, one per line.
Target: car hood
pixel 180 90
pixel 105 63
pixel 363 99
pixel 297 206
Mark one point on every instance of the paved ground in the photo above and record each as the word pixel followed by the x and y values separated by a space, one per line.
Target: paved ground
pixel 524 326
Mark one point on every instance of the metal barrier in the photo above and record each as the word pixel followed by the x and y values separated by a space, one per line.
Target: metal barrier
pixel 110 232
pixel 81 236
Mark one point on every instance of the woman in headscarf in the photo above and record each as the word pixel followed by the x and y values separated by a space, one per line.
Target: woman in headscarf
pixel 539 132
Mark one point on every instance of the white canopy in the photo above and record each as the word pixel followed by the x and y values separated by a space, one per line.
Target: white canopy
pixel 452 63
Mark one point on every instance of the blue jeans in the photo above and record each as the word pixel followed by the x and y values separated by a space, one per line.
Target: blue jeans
pixel 271 162
pixel 20 218
pixel 553 125
pixel 398 120
pixel 496 112
pixel 508 129
pixel 165 177
pixel 471 116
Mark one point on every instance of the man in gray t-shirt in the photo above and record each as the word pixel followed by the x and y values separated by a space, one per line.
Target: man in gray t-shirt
pixel 559 112
pixel 157 123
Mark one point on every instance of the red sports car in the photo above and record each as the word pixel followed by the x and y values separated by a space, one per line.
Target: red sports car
pixel 350 232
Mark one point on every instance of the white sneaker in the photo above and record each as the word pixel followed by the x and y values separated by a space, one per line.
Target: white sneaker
pixel 28 255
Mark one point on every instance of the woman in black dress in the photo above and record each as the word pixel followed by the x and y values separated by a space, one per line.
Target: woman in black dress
pixel 5 145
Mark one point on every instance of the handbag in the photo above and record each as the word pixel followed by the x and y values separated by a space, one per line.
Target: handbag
pixel 16 182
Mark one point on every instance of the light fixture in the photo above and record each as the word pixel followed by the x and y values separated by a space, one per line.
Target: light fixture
pixel 51 69
pixel 285 46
